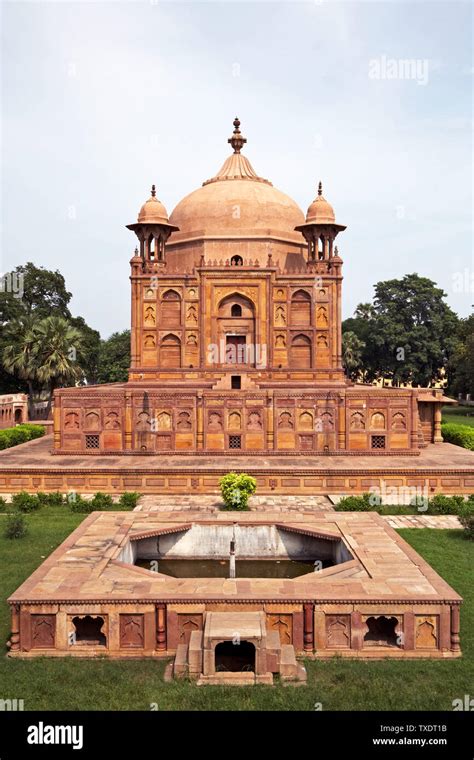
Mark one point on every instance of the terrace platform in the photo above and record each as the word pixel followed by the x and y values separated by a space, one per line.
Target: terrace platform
pixel 379 597
pixel 440 467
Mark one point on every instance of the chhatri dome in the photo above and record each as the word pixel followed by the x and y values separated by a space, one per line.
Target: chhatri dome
pixel 153 211
pixel 320 211
pixel 236 202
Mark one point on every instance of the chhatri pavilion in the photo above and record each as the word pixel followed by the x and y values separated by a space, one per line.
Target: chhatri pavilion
pixel 236 337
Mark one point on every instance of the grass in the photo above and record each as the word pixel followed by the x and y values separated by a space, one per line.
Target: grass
pixel 71 684
pixel 462 415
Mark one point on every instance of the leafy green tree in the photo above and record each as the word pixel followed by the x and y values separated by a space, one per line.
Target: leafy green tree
pixel 352 348
pixel 410 333
pixel 18 343
pixel 42 292
pixel 461 365
pixel 90 352
pixel 114 358
pixel 56 355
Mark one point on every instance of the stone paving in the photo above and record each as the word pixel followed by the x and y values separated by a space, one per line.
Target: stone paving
pixel 205 503
pixel 423 521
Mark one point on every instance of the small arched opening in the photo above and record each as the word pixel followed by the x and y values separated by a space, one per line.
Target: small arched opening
pixel 236 261
pixel 236 310
pixel 235 657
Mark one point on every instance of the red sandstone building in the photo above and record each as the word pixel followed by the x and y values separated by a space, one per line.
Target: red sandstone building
pixel 236 337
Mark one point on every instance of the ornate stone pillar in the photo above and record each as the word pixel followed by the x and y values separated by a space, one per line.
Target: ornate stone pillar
pixel 437 437
pixel 161 627
pixel 455 640
pixel 128 421
pixel 199 423
pixel 14 642
pixel 308 627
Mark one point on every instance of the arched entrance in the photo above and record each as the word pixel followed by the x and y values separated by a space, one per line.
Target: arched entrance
pixel 236 331
pixel 18 416
pixel 235 657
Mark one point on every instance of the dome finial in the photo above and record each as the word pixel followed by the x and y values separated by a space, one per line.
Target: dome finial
pixel 153 191
pixel 237 141
pixel 320 188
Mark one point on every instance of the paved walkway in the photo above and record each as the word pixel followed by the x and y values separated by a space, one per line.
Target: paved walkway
pixel 423 521
pixel 205 503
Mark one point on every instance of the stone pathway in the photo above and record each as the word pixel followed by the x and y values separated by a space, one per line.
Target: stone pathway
pixel 423 521
pixel 205 503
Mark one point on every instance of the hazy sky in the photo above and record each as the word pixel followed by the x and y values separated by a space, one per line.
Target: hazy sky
pixel 99 100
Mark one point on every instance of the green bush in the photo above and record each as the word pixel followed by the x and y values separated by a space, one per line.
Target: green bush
pixel 236 489
pixel 102 501
pixel 356 504
pixel 3 504
pixel 466 518
pixel 460 435
pixel 445 505
pixel 129 499
pixel 25 502
pixel 78 504
pixel 20 434
pixel 54 499
pixel 15 526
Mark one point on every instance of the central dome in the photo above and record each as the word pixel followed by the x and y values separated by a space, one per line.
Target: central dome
pixel 237 203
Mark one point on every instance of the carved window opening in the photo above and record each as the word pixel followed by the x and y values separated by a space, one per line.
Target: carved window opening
pixel 170 352
pixel 88 631
pixel 236 261
pixel 300 352
pixel 236 310
pixel 377 442
pixel 92 442
pixel 235 382
pixel 235 658
pixel 235 441
pixel 301 308
pixel 381 631
pixel 171 309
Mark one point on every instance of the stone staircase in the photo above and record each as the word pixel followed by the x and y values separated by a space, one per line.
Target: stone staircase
pixel 280 660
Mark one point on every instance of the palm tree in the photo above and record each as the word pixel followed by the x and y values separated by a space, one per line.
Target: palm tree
pixel 20 341
pixel 352 348
pixel 56 354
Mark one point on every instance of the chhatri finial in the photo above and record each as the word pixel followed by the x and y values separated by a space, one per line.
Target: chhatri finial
pixel 153 191
pixel 320 189
pixel 237 141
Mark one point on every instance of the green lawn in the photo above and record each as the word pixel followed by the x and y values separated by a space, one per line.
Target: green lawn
pixel 462 415
pixel 70 684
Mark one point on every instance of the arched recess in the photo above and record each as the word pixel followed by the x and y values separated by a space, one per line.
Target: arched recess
pixel 301 308
pixel 236 330
pixel 300 352
pixel 170 352
pixel 171 309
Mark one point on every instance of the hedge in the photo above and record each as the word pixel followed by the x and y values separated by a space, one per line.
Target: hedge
pixel 460 435
pixel 20 434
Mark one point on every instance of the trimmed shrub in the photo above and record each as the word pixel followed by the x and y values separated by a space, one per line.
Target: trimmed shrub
pixel 356 504
pixel 460 435
pixel 102 501
pixel 466 518
pixel 25 502
pixel 78 504
pixel 129 499
pixel 445 505
pixel 20 434
pixel 54 499
pixel 15 526
pixel 236 489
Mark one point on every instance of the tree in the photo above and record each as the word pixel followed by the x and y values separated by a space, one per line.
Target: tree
pixel 114 358
pixel 90 352
pixel 410 332
pixel 56 354
pixel 44 354
pixel 461 365
pixel 352 348
pixel 37 291
pixel 19 341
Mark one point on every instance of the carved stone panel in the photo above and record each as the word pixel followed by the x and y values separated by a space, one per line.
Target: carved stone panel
pixel 338 631
pixel 43 631
pixel 187 623
pixel 132 631
pixel 426 632
pixel 283 624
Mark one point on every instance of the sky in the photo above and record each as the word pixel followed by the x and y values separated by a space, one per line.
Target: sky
pixel 102 99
